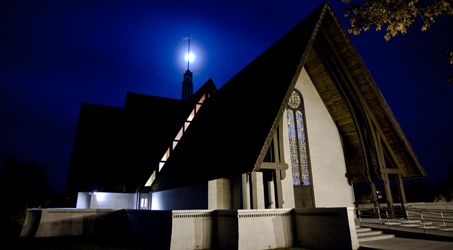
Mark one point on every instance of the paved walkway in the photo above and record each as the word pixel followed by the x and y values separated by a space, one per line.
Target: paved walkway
pixel 407 238
pixel 406 243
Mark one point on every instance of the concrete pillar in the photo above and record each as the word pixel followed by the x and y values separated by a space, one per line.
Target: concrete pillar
pixel 260 190
pixel 253 190
pixel 278 189
pixel 245 186
pixel 271 191
pixel 219 194
pixel 150 200
pixel 256 190
pixel 83 200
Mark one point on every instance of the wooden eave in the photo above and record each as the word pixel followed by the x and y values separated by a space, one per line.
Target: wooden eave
pixel 366 94
pixel 339 110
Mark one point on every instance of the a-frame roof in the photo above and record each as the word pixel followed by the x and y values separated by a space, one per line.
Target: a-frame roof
pixel 346 86
pixel 136 136
pixel 233 129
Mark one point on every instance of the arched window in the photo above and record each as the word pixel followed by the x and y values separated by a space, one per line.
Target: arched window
pixel 297 141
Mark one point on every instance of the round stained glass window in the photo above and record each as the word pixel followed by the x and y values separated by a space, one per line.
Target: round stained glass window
pixel 294 100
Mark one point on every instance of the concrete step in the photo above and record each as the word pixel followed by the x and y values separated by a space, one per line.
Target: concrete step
pixel 410 221
pixel 429 227
pixel 378 237
pixel 392 223
pixel 368 234
pixel 362 229
pixel 417 224
pixel 365 234
pixel 411 225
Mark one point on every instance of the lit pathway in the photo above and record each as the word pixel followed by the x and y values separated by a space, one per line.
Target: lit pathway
pixel 406 243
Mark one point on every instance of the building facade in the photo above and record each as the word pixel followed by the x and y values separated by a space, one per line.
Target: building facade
pixel 268 160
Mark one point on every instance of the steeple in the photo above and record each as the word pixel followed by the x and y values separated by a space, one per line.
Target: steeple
pixel 187 85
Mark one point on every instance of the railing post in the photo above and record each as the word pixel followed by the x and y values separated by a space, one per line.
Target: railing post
pixel 423 222
pixel 443 220
pixel 379 213
pixel 387 214
pixel 407 216
pixel 360 216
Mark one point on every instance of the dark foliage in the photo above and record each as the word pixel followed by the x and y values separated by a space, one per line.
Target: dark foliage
pixel 395 16
pixel 22 185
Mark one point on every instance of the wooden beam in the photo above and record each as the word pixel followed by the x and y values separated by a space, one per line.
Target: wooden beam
pixel 329 65
pixel 379 152
pixel 402 194
pixel 280 147
pixel 388 195
pixel 274 165
pixel 392 171
pixel 275 146
pixel 280 141
pixel 368 110
pixel 278 190
pixel 374 197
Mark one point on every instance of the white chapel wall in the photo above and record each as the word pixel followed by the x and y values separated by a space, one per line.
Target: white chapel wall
pixel 330 185
pixel 113 200
pixel 188 197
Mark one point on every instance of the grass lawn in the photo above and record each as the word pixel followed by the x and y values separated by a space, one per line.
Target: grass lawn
pixel 80 243
pixel 66 243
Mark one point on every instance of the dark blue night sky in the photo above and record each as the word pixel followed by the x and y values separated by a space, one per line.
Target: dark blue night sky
pixel 57 54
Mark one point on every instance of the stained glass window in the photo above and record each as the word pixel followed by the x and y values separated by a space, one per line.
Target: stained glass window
pixel 297 141
pixel 293 147
pixel 294 100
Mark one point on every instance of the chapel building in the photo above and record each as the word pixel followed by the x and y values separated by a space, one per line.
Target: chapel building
pixel 296 128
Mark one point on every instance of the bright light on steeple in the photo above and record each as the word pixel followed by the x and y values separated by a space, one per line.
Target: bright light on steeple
pixel 190 57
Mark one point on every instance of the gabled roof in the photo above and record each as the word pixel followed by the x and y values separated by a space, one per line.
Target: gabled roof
pixel 115 148
pixel 349 85
pixel 229 132
pixel 234 128
pixel 94 143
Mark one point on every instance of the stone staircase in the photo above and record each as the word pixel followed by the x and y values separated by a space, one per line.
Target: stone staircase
pixel 366 234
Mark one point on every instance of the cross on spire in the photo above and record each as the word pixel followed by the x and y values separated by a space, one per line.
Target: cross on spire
pixel 187 85
pixel 188 53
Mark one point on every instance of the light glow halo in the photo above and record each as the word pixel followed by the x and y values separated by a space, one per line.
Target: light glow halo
pixel 190 57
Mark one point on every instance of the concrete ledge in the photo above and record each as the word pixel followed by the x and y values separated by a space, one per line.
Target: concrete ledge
pixel 31 223
pixel 192 229
pixel 71 222
pixel 330 228
pixel 265 228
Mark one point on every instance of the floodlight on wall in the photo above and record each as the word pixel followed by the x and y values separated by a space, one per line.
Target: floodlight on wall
pixel 101 196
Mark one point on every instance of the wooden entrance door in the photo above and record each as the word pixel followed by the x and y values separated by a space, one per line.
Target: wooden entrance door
pixel 303 196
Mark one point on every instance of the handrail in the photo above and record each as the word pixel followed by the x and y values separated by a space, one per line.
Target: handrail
pixel 426 219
